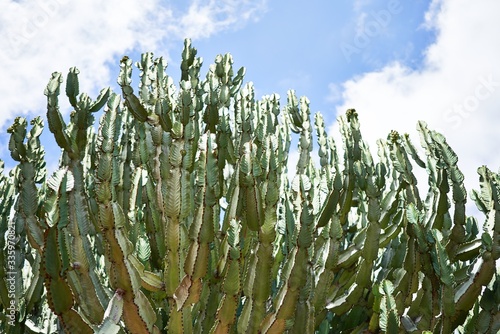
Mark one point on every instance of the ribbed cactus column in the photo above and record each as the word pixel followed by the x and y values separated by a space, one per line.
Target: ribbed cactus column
pixel 292 300
pixel 83 280
pixel 138 313
pixel 22 227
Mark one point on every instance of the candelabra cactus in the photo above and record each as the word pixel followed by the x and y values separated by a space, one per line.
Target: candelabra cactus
pixel 177 215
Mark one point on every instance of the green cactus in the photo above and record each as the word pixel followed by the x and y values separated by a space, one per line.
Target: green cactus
pixel 180 214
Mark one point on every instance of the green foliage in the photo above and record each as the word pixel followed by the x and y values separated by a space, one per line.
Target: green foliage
pixel 178 215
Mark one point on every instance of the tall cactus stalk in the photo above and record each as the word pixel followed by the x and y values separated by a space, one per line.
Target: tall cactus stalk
pixel 181 214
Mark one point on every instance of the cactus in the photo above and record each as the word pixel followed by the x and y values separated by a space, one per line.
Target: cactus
pixel 179 214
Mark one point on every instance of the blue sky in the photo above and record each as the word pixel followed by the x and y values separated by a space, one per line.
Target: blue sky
pixel 395 61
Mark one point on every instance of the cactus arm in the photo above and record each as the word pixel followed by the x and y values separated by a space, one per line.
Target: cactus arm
pixel 7 195
pixel 250 261
pixel 56 123
pixel 84 281
pixel 195 260
pixel 202 233
pixel 287 296
pixel 131 101
pixel 410 148
pixel 327 154
pixel 331 203
pixel 138 314
pixel 155 217
pixel 402 166
pixel 112 315
pixel 295 278
pixel 55 258
pixel 231 285
pixel 72 86
pixel 468 250
pixel 123 173
pixel 249 190
pixel 22 228
pixel 371 207
pixel 351 155
pixel 466 293
pixel 30 156
pixel 134 105
pixel 389 319
pixel 171 206
pixel 430 267
pixel 443 269
pixel 330 265
pixel 261 290
pixel 490 184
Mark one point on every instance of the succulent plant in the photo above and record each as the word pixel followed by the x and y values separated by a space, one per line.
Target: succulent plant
pixel 180 215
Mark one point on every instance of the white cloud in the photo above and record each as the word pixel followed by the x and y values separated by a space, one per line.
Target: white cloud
pixel 204 18
pixel 39 37
pixel 361 24
pixel 48 36
pixel 456 91
pixel 358 5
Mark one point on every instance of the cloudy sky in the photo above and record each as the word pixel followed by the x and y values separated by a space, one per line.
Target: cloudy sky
pixel 394 61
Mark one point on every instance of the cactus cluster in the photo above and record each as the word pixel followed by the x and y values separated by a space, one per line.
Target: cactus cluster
pixel 179 215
